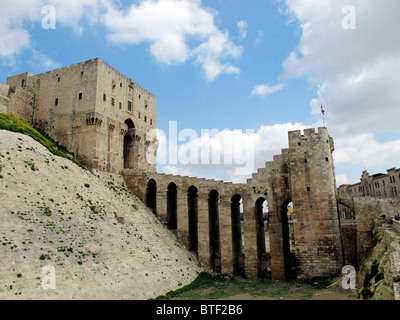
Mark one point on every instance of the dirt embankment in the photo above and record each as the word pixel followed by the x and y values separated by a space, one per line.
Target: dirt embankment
pixel 100 240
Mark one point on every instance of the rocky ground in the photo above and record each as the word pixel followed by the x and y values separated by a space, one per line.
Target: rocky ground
pixel 98 239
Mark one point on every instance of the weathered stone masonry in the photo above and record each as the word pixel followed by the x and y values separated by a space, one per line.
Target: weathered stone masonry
pixel 103 118
pixel 96 112
pixel 302 174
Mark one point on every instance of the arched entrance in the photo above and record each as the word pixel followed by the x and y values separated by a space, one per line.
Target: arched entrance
pixel 151 196
pixel 193 239
pixel 215 242
pixel 172 206
pixel 288 239
pixel 348 226
pixel 237 240
pixel 262 256
pixel 129 145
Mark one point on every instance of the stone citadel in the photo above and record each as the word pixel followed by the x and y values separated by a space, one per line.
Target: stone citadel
pixel 103 118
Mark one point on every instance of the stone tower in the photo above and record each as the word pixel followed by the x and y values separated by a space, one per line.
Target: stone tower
pixel 97 113
pixel 313 188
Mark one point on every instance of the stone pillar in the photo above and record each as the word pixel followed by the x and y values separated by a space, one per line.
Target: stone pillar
pixel 225 223
pixel 162 204
pixel 250 240
pixel 204 229
pixel 183 219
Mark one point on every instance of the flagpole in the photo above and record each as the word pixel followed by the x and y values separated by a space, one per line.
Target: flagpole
pixel 323 115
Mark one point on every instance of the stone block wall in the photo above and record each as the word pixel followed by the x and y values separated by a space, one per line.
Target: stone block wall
pixel 286 179
pixel 91 109
pixel 4 101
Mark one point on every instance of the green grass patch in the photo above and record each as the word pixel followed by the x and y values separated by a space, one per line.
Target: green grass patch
pixel 203 280
pixel 208 287
pixel 11 123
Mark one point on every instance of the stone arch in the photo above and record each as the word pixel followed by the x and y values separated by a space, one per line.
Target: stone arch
pixel 172 206
pixel 262 258
pixel 237 240
pixel 193 217
pixel 346 210
pixel 151 195
pixel 288 240
pixel 129 145
pixel 214 231
pixel 348 226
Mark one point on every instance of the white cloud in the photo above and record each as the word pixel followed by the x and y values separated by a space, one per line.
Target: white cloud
pixel 72 13
pixel 242 26
pixel 176 171
pixel 356 70
pixel 265 89
pixel 341 179
pixel 13 37
pixel 232 155
pixel 14 16
pixel 43 61
pixel 176 31
pixel 366 150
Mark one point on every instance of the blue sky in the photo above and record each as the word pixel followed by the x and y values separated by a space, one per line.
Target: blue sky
pixel 265 66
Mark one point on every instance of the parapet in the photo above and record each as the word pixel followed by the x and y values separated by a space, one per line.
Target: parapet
pixel 296 137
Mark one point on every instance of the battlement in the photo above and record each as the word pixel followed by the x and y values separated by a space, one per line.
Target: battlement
pixel 309 137
pixel 308 133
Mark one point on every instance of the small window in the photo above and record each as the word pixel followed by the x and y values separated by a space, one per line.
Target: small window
pixel 305 161
pixel 151 122
pixel 59 79
pixel 308 189
pixel 80 96
pixel 139 115
pixel 129 105
pixel 120 105
pixel 327 159
pixel 120 85
pixel 145 119
pixel 112 101
pixel 104 97
pixel 56 102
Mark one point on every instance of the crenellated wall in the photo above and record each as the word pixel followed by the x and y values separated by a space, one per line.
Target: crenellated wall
pixel 104 118
pixel 302 175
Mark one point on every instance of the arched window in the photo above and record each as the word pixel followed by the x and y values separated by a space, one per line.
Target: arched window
pixel 129 145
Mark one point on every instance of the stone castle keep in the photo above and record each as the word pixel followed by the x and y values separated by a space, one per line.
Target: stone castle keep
pixel 103 118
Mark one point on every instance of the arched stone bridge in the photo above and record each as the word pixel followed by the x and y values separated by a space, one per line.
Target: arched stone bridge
pixel 206 214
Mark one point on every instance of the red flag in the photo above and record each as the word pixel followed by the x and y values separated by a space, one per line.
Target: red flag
pixel 322 110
